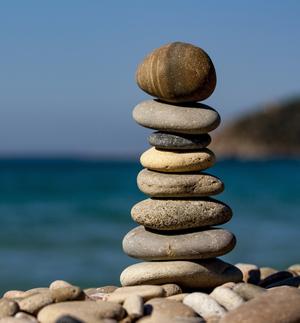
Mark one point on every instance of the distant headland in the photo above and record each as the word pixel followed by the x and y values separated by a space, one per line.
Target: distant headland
pixel 271 131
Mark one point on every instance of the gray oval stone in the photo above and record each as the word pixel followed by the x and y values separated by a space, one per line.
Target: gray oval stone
pixel 172 141
pixel 153 245
pixel 156 184
pixel 195 118
pixel 174 214
pixel 187 274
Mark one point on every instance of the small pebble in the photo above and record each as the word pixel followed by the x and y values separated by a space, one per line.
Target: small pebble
pixel 248 291
pixel 295 268
pixel 171 289
pixel 227 298
pixel 25 316
pixel 59 284
pixel 266 271
pixel 204 305
pixel 251 273
pixel 8 308
pixel 134 306
pixel 67 293
pixel 145 291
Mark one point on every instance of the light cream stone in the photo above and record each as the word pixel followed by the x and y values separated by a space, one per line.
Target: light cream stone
pixel 13 320
pixel 27 317
pixel 178 297
pixel 248 291
pixel 59 284
pixel 227 298
pixel 266 271
pixel 177 161
pixel 295 268
pixel 204 305
pixel 145 291
pixel 13 294
pixel 134 306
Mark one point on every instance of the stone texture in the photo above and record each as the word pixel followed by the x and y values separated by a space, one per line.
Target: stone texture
pixel 174 214
pixel 162 306
pixel 134 306
pixel 67 293
pixel 160 318
pixel 187 274
pixel 8 307
pixel 177 161
pixel 33 303
pixel 88 311
pixel 204 305
pixel 193 119
pixel 173 245
pixel 145 291
pixel 248 291
pixel 251 273
pixel 171 289
pixel 156 184
pixel 177 72
pixel 279 305
pixel 173 141
pixel 13 320
pixel 178 297
pixel 227 297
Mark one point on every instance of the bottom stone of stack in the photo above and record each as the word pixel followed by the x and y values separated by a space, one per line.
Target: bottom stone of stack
pixel 187 274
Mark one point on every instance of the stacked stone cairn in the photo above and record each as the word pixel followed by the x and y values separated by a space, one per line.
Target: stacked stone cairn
pixel 176 238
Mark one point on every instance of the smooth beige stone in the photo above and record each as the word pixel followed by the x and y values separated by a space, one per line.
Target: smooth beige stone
pixel 8 307
pixel 169 308
pixel 134 306
pixel 174 214
pixel 67 293
pixel 177 72
pixel 146 244
pixel 171 289
pixel 178 297
pixel 106 289
pixel 145 291
pixel 184 119
pixel 279 305
pixel 33 303
pixel 248 291
pixel 59 284
pixel 227 297
pixel 99 296
pixel 201 274
pixel 160 318
pixel 251 273
pixel 27 317
pixel 204 305
pixel 266 271
pixel 156 184
pixel 177 161
pixel 87 311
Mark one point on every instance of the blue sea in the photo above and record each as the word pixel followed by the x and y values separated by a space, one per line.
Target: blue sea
pixel 65 219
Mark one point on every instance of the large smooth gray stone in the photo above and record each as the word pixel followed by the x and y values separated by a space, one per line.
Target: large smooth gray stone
pixel 195 118
pixel 172 141
pixel 175 214
pixel 157 184
pixel 156 245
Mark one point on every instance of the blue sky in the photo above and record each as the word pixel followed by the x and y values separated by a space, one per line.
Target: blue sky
pixel 67 66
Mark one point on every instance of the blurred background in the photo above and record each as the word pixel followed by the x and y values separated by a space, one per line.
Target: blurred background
pixel 69 148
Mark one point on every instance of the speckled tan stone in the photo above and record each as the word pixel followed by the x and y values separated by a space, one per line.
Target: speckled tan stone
pixel 177 72
pixel 157 184
pixel 174 214
pixel 177 161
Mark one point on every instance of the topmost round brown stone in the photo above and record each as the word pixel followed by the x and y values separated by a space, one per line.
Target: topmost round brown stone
pixel 177 72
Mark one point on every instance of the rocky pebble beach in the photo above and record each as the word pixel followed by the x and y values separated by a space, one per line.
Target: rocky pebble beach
pixel 179 277
pixel 263 295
